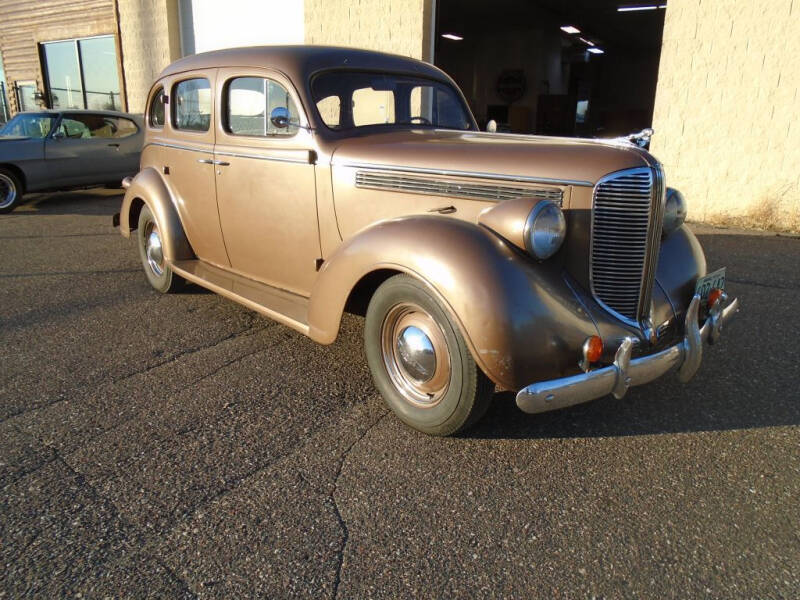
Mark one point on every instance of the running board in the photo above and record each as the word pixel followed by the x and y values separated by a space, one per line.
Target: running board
pixel 280 305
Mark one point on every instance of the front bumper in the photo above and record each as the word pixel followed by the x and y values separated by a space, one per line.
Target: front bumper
pixel 685 356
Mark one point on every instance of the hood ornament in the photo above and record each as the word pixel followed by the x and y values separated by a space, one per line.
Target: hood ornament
pixel 641 139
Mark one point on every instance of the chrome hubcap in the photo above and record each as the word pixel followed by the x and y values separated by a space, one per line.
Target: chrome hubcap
pixel 8 191
pixel 153 249
pixel 415 354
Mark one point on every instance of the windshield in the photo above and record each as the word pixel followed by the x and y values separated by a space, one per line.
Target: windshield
pixel 350 99
pixel 29 125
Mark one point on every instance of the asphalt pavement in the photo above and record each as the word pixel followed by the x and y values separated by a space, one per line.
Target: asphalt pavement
pixel 182 446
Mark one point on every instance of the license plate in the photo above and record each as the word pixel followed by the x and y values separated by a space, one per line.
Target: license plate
pixel 713 280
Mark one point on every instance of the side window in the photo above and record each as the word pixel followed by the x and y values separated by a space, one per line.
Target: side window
pixel 155 116
pixel 191 105
pixel 330 109
pixel 122 128
pixel 86 126
pixel 250 102
pixel 373 107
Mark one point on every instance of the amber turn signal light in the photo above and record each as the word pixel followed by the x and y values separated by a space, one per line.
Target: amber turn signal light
pixel 592 351
pixel 593 348
pixel 714 295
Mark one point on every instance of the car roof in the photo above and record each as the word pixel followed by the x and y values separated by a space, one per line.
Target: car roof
pixel 299 62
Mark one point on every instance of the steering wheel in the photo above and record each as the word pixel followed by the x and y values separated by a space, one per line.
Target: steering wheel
pixel 421 120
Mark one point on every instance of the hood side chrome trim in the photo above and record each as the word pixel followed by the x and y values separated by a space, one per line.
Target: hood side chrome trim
pixel 452 188
pixel 469 174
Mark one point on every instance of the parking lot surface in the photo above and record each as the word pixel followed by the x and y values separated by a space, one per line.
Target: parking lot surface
pixel 181 445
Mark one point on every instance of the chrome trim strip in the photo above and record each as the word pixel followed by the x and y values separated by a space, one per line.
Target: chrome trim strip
pixel 179 147
pixel 262 157
pixel 654 226
pixel 233 154
pixel 452 189
pixel 626 372
pixel 470 174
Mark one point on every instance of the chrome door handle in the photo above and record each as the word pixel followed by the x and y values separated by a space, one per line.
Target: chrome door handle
pixel 222 163
pixel 205 161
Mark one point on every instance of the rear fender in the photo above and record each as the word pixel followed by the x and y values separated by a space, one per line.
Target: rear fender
pixel 147 187
pixel 519 318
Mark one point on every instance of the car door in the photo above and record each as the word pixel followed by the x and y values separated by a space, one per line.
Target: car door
pixel 126 140
pixel 82 149
pixel 180 148
pixel 265 180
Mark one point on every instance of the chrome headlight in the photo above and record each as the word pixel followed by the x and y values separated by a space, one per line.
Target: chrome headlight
pixel 674 211
pixel 545 229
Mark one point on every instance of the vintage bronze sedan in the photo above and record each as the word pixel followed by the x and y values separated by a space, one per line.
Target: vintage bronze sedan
pixel 304 182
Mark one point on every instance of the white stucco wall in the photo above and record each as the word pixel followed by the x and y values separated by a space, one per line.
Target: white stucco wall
pixel 246 23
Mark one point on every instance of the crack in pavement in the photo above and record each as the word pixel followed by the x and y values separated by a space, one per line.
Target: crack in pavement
pixel 765 285
pixel 211 425
pixel 65 273
pixel 45 406
pixel 241 334
pixel 127 526
pixel 189 351
pixel 332 497
pixel 63 235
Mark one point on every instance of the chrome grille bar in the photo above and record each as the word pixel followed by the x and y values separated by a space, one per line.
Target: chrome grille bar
pixel 451 188
pixel 626 231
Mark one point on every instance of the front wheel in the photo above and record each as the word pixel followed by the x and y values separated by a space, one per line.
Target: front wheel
pixel 10 191
pixel 420 362
pixel 156 268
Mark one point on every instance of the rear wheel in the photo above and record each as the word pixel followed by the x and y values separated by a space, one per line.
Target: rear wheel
pixel 156 268
pixel 10 191
pixel 420 362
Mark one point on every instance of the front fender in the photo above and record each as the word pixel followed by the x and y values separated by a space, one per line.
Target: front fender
pixel 680 263
pixel 519 318
pixel 148 187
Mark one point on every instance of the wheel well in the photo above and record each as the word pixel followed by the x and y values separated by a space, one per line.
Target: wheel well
pixel 17 172
pixel 362 292
pixel 133 215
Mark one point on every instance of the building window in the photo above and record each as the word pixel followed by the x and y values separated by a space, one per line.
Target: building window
pixel 4 110
pixel 83 73
pixel 26 95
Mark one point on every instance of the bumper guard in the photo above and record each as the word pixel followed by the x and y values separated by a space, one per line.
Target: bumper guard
pixel 625 372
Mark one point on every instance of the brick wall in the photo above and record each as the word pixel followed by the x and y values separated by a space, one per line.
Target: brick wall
pixel 397 26
pixel 726 113
pixel 150 38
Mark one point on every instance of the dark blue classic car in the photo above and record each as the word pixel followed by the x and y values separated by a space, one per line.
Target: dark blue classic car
pixel 55 150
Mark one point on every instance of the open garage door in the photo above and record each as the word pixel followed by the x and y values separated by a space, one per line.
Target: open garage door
pixel 554 67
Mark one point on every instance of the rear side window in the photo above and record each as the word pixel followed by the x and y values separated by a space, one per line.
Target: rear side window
pixel 191 105
pixel 89 125
pixel 155 115
pixel 251 102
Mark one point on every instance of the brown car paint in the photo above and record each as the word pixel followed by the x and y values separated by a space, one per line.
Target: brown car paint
pixel 523 320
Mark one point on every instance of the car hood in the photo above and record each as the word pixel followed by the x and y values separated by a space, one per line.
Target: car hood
pixel 580 161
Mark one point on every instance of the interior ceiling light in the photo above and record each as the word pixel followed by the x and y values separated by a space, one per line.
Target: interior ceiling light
pixel 638 7
pixel 452 36
pixel 587 42
pixel 571 29
pixel 596 50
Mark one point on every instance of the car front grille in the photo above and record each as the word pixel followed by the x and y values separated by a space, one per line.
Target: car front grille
pixel 626 234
